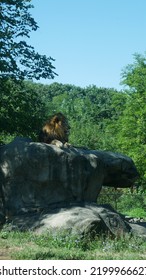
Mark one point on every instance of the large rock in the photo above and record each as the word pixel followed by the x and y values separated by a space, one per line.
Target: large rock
pixel 78 219
pixel 39 176
pixel 120 170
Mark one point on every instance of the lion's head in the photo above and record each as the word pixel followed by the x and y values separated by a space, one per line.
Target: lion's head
pixel 56 128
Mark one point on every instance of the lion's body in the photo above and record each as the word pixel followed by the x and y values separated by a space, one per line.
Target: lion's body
pixel 55 131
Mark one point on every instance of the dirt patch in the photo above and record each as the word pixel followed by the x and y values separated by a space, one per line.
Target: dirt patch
pixel 5 254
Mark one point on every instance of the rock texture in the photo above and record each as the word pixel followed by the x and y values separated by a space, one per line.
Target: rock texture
pixel 78 218
pixel 40 177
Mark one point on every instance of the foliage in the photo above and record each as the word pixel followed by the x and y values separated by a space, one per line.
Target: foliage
pixel 130 129
pixel 124 201
pixel 22 110
pixel 134 74
pixel 18 59
pixel 89 111
pixel 136 212
pixel 132 202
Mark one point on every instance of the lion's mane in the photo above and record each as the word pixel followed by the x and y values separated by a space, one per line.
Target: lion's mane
pixel 55 128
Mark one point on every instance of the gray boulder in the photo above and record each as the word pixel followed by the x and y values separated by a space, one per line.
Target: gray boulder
pixel 40 178
pixel 36 175
pixel 76 218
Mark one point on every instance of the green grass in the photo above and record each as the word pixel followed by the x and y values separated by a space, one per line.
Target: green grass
pixel 136 212
pixel 29 246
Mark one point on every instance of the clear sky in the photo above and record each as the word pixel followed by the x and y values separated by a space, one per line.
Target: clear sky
pixel 90 40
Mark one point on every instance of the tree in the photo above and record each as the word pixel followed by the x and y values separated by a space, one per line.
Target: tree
pixel 130 128
pixel 134 75
pixel 19 60
pixel 89 111
pixel 23 110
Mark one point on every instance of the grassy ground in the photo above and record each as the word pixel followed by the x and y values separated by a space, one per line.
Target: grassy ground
pixel 27 245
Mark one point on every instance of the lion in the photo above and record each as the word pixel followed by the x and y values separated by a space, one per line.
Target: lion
pixel 55 131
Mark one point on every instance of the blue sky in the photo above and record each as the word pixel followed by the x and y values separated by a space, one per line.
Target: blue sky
pixel 90 40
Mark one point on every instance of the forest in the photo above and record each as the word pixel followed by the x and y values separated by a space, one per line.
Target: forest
pixel 100 118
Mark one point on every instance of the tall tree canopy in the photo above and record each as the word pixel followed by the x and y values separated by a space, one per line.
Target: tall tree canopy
pixel 18 59
pixel 130 128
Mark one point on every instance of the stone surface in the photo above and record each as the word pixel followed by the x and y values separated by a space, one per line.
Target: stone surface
pixel 45 187
pixel 120 170
pixel 39 175
pixel 78 219
pixel 36 175
pixel 138 229
pixel 81 218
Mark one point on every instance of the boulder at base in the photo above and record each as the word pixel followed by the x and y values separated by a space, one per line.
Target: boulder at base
pixel 81 218
pixel 78 219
